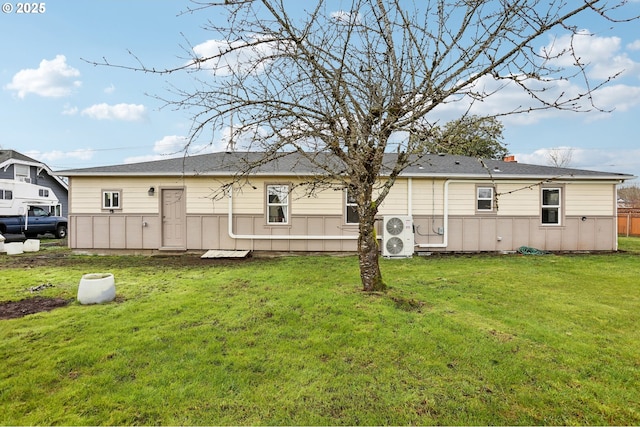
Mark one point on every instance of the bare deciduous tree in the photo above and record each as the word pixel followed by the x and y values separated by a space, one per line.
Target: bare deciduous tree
pixel 350 83
pixel 631 195
pixel 560 157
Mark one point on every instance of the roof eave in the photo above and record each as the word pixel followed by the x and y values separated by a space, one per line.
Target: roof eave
pixel 495 176
pixel 502 176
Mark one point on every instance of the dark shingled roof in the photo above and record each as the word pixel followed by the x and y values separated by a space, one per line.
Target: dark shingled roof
pixel 12 154
pixel 432 165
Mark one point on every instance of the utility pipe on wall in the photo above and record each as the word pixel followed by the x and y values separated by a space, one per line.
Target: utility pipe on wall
pixel 444 244
pixel 445 218
pixel 409 196
pixel 277 236
pixel 445 241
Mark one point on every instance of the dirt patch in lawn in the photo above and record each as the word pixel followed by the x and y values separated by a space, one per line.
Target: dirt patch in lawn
pixel 69 259
pixel 15 309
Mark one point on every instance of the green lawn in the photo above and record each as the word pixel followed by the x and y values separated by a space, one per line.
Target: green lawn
pixel 509 339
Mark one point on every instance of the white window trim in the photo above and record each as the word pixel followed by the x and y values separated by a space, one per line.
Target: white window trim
pixel 285 205
pixel 558 206
pixel 22 176
pixel 491 199
pixel 111 192
pixel 347 205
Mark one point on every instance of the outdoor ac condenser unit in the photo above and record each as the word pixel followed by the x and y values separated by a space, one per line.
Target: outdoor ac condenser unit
pixel 397 236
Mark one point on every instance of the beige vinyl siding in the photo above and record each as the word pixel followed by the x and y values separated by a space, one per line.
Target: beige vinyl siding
pixel 428 196
pixel 589 199
pixel 579 199
pixel 87 194
pixel 513 199
pixel 326 202
pixel 462 196
pixel 518 199
pixel 249 200
pixel 203 197
pixel 396 202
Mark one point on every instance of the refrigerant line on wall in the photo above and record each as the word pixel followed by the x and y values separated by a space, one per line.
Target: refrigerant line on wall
pixel 233 235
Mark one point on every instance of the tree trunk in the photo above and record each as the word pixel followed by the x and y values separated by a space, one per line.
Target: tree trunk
pixel 368 255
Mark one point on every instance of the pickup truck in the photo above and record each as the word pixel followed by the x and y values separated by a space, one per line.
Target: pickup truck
pixel 38 221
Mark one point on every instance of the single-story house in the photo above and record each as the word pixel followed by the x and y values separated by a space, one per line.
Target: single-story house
pixel 18 167
pixel 446 203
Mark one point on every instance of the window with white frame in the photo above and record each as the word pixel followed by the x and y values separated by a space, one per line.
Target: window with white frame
pixel 21 173
pixel 551 204
pixel 277 204
pixel 111 200
pixel 351 209
pixel 484 199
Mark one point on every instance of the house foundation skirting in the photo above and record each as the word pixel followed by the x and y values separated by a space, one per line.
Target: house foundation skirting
pixel 502 233
pixel 139 232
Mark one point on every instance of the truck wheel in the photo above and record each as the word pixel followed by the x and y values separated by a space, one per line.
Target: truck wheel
pixel 61 231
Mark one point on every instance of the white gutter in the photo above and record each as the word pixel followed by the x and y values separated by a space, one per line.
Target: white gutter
pixel 277 236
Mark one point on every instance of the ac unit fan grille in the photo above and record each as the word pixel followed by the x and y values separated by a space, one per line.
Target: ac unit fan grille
pixel 395 226
pixel 395 245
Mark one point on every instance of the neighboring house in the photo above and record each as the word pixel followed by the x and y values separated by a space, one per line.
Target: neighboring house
pixel 18 167
pixel 454 204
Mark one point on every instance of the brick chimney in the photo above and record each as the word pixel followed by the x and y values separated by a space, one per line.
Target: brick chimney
pixel 510 158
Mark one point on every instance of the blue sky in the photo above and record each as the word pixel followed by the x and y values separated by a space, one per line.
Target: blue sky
pixel 60 109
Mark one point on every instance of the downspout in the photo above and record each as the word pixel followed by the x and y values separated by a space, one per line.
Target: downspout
pixel 278 236
pixel 410 196
pixel 615 209
pixel 445 219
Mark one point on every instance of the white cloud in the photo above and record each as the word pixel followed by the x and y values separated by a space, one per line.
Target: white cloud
pixel 618 97
pixel 69 110
pixel 122 112
pixel 228 58
pixel 55 155
pixel 635 45
pixel 171 146
pixel 506 96
pixel 605 59
pixel 110 89
pixel 615 64
pixel 140 159
pixel 52 79
pixel 601 54
pixel 346 17
pixel 618 161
